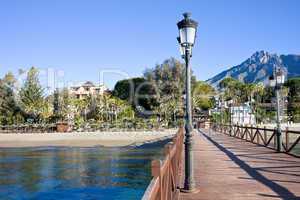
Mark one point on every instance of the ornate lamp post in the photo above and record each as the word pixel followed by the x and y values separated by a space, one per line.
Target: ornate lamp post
pixel 187 34
pixel 277 81
pixel 230 103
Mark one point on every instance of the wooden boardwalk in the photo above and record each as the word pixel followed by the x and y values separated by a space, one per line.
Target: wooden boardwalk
pixel 230 168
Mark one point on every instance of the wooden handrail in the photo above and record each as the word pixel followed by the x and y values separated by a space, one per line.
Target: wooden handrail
pixel 260 136
pixel 166 172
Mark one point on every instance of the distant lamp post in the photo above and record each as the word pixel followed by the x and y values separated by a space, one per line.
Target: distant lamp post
pixel 187 34
pixel 230 103
pixel 276 81
pixel 217 109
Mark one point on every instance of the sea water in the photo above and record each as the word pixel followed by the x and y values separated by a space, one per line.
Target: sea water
pixel 76 173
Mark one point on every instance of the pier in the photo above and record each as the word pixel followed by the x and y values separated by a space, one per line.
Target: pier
pixel 239 164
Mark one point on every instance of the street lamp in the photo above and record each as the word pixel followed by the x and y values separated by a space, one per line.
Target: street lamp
pixel 230 103
pixel 187 34
pixel 277 81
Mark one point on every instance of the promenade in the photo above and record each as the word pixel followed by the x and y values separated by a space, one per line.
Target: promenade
pixel 230 168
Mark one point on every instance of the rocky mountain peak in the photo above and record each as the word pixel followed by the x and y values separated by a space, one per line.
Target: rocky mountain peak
pixel 259 67
pixel 260 57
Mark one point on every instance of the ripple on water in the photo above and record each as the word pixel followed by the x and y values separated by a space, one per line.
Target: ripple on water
pixel 76 173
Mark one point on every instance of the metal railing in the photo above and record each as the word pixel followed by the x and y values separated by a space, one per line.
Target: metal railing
pixel 263 136
pixel 29 128
pixel 166 173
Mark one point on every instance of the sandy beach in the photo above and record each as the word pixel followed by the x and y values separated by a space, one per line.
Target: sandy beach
pixel 84 139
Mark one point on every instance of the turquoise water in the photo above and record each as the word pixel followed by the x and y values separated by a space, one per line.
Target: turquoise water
pixel 76 173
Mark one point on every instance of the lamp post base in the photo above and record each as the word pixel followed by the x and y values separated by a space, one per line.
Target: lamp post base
pixel 279 140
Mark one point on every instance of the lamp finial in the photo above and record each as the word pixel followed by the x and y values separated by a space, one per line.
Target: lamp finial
pixel 187 15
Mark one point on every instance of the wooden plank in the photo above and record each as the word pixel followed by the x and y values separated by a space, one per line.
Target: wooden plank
pixel 230 168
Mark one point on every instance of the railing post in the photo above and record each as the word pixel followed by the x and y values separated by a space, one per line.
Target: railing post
pixel 257 134
pixel 275 138
pixel 287 139
pixel 155 171
pixel 251 133
pixel 265 135
pixel 223 128
pixel 165 186
pixel 168 148
pixel 155 168
pixel 235 130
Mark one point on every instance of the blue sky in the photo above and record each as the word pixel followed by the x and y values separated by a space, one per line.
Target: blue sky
pixel 83 38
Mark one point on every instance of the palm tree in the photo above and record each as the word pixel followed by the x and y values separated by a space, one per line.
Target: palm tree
pixel 203 94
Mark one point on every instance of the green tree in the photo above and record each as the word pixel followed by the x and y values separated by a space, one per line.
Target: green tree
pixel 110 108
pixel 168 81
pixel 31 97
pixel 137 91
pixel 233 90
pixel 56 108
pixel 203 94
pixel 62 104
pixel 9 111
pixel 80 107
pixel 293 107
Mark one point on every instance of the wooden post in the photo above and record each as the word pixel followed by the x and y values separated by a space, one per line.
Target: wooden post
pixel 251 133
pixel 265 135
pixel 275 141
pixel 168 148
pixel 155 171
pixel 234 130
pixel 175 138
pixel 287 139
pixel 155 168
pixel 257 135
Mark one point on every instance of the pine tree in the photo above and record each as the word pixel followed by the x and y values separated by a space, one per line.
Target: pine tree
pixel 31 96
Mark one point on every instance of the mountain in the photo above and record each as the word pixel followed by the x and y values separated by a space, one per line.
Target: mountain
pixel 259 67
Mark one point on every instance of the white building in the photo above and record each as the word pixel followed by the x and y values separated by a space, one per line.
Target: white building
pixel 87 89
pixel 242 115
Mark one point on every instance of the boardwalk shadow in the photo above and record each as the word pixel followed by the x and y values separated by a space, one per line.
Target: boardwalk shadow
pixel 281 191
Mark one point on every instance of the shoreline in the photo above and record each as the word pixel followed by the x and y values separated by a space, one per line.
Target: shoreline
pixel 84 139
